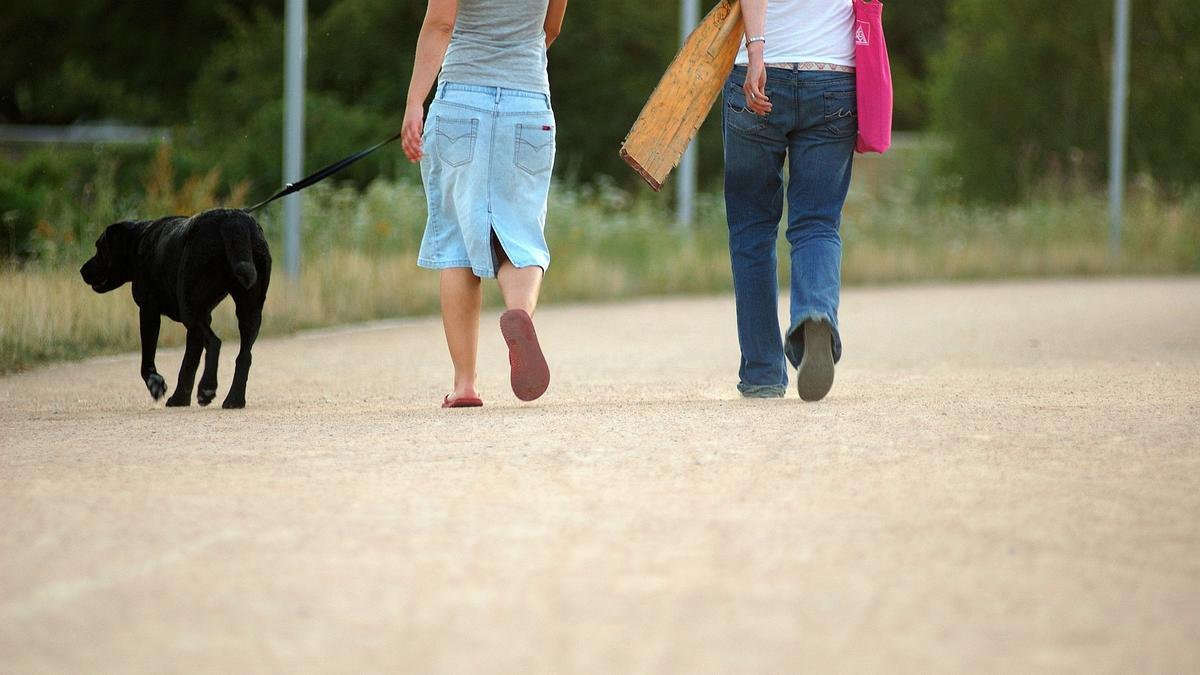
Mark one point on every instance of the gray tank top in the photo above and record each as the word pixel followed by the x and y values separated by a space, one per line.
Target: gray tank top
pixel 499 43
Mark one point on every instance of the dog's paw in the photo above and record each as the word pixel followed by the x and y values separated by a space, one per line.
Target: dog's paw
pixel 157 386
pixel 232 403
pixel 179 399
pixel 205 396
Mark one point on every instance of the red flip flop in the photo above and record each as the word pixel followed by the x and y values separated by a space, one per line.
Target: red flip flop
pixel 462 402
pixel 530 374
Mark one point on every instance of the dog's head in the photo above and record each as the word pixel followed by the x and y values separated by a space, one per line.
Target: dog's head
pixel 112 266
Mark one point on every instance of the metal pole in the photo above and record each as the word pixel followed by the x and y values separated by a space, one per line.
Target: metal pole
pixel 685 188
pixel 293 132
pixel 1120 113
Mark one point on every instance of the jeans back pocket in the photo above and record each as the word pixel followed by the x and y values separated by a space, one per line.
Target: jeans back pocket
pixel 535 148
pixel 737 114
pixel 841 112
pixel 456 139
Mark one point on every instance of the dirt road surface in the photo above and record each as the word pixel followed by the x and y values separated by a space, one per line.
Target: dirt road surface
pixel 1005 478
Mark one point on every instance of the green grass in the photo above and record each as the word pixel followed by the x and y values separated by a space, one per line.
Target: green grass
pixel 360 251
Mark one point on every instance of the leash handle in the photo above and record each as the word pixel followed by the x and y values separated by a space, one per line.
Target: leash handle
pixel 292 188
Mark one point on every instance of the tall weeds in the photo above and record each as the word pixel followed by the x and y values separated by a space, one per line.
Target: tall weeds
pixel 360 250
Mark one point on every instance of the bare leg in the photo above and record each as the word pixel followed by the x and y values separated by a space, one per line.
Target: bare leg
pixel 520 286
pixel 530 374
pixel 462 297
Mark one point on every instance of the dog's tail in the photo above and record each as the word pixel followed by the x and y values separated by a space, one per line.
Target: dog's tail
pixel 235 232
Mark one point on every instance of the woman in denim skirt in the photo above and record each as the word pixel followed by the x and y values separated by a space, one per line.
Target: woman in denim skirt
pixel 791 98
pixel 486 150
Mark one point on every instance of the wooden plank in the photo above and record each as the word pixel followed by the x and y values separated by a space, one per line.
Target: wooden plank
pixel 684 95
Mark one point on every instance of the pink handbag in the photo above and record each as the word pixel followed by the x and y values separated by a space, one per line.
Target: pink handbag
pixel 874 78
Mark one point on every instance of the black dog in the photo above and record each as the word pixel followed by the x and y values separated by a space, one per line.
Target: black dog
pixel 183 268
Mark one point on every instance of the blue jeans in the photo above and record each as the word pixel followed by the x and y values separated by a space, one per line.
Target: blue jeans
pixel 812 125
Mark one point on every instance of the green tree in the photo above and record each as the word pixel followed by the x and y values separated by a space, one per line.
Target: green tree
pixel 1022 89
pixel 360 59
pixel 63 61
pixel 360 54
pixel 214 71
pixel 915 34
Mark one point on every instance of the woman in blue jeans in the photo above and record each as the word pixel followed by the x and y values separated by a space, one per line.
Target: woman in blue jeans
pixel 790 98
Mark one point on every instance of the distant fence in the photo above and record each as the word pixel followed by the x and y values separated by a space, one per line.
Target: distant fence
pixel 16 139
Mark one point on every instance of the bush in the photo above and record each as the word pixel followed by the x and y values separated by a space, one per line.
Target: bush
pixel 1022 93
pixel 217 77
pixel 603 68
pixel 65 193
pixel 18 217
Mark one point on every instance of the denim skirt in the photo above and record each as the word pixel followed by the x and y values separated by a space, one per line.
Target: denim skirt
pixel 489 152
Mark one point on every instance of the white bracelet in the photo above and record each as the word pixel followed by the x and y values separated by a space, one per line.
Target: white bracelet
pixel 756 38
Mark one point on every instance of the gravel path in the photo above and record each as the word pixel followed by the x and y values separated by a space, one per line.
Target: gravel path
pixel 1005 477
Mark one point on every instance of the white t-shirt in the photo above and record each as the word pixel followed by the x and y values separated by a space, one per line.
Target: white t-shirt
pixel 808 30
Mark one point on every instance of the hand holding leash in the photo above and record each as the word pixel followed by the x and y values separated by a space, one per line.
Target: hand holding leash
pixel 411 133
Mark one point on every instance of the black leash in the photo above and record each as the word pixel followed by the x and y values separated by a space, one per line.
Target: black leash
pixel 319 176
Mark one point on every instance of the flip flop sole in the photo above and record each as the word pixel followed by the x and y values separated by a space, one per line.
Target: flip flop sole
pixel 530 374
pixel 814 378
pixel 465 402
